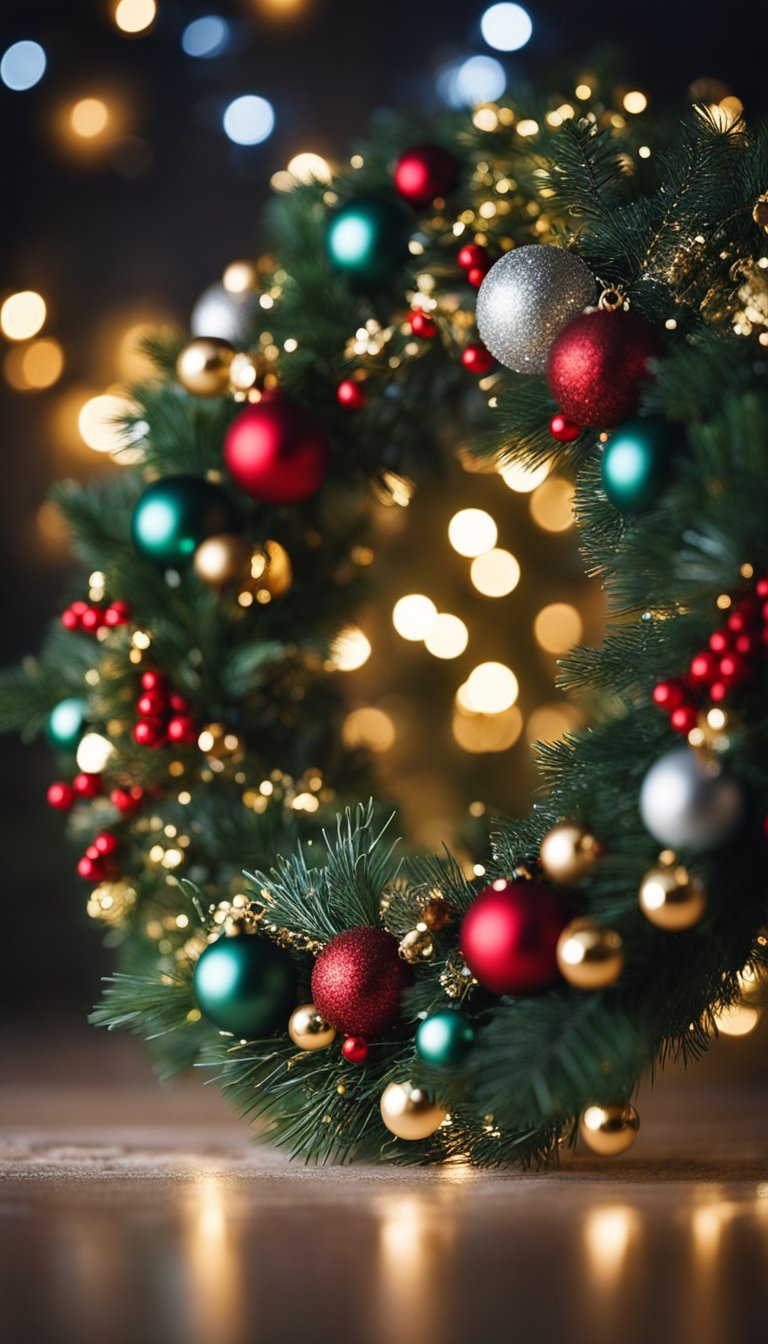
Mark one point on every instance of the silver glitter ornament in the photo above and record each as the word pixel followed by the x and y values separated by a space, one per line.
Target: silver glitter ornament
pixel 689 803
pixel 218 312
pixel 526 299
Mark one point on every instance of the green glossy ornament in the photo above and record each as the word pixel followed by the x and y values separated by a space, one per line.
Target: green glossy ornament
pixel 246 985
pixel 66 723
pixel 367 240
pixel 175 514
pixel 445 1039
pixel 636 460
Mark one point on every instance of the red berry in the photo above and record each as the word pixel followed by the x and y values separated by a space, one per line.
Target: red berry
pixel 92 853
pixel 477 359
pixel 761 588
pixel 733 668
pixel 182 729
pixel 740 620
pixel 718 691
pixel 422 325
pixel 126 800
pixel 69 620
pixel 91 619
pixel 355 1049
pixel 748 644
pixel 117 613
pixel 178 704
pixel 91 870
pixel 149 733
pixel 563 429
pixel 668 695
pixel 79 608
pixel 703 667
pixel 471 255
pixel 720 641
pixel 351 394
pixel 153 681
pixel 683 719
pixel 106 843
pixel 476 276
pixel 61 795
pixel 151 705
pixel 87 786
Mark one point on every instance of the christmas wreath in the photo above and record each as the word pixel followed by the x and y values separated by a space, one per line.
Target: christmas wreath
pixel 604 279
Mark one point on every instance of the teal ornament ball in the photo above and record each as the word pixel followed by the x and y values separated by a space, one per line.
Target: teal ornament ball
pixel 445 1039
pixel 174 515
pixel 636 461
pixel 66 723
pixel 246 985
pixel 367 240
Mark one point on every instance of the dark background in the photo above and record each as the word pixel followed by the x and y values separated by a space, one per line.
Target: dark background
pixel 153 223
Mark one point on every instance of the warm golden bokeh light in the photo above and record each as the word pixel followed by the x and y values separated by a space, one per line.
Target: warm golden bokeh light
pixel 490 688
pixel 495 574
pixel 369 729
pixel 93 752
pixel 479 733
pixel 22 315
pixel 552 505
pixel 737 1020
pixel 89 117
pixel 350 649
pixel 558 627
pixel 447 636
pixel 34 367
pixel 550 722
pixel 471 532
pixel 100 422
pixel 634 101
pixel 523 479
pixel 308 167
pixel 240 277
pixel 135 16
pixel 413 616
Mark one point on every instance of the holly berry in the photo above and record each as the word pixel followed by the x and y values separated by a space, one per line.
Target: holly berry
pixel 668 695
pixel 87 785
pixel 355 1049
pixel 69 620
pixel 683 719
pixel 117 613
pixel 704 667
pixel 61 795
pixel 477 359
pixel 351 394
pixel 473 257
pixel 563 429
pixel 90 869
pixel 422 325
pixel 181 729
pixel 106 843
pixel 153 681
pixel 149 733
pixel 127 800
pixel 178 704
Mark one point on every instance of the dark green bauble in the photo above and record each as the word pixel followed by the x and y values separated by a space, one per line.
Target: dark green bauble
pixel 246 985
pixel 636 461
pixel 174 515
pixel 65 724
pixel 445 1039
pixel 367 240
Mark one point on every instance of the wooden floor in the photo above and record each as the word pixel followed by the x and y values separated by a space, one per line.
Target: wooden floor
pixel 130 1214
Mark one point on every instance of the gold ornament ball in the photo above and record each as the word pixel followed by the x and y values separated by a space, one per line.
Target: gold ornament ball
pixel 409 1113
pixel 760 212
pixel 610 1129
pixel 308 1029
pixel 270 572
pixel 589 957
pixel 671 899
pixel 222 559
pixel 569 852
pixel 203 366
pixel 416 945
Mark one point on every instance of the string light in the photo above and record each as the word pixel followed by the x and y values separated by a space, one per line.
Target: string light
pixel 249 119
pixel 308 167
pixel 738 1019
pixel 447 637
pixel 135 16
pixel 558 627
pixel 478 79
pixel 368 728
pixel 34 367
pixel 101 422
pixel 350 649
pixel 93 753
pixel 549 723
pixel 495 574
pixel 523 479
pixel 205 37
pixel 22 66
pixel 634 102
pixel 506 27
pixel 413 616
pixel 471 532
pixel 490 688
pixel 552 505
pixel 480 733
pixel 89 118
pixel 22 315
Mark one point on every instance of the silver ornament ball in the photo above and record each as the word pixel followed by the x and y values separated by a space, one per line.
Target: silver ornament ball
pixel 229 316
pixel 526 299
pixel 689 803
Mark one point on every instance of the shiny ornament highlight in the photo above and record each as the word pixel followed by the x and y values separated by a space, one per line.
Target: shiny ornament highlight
pixel 409 1113
pixel 308 1030
pixel 598 364
pixel 358 981
pixel 636 461
pixel 526 298
pixel 227 315
pixel 173 516
pixel 366 240
pixel 245 985
pixel 203 367
pixel 569 852
pixel 688 802
pixel 66 722
pixel 425 172
pixel 445 1039
pixel 588 956
pixel 610 1129
pixel 222 559
pixel 276 452
pixel 509 937
pixel 671 899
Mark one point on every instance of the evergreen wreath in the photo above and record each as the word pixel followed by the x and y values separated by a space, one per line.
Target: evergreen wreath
pixel 358 1002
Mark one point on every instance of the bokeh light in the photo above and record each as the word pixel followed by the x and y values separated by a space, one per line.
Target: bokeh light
pixel 495 574
pixel 558 627
pixel 135 16
pixel 490 688
pixel 471 532
pixel 634 101
pixel 550 722
pixel 506 27
pixel 22 315
pixel 249 119
pixel 369 729
pixel 478 79
pixel 89 117
pixel 205 37
pixel 240 277
pixel 34 367
pixel 523 479
pixel 308 167
pixel 350 649
pixel 480 733
pixel 22 66
pixel 93 752
pixel 413 616
pixel 100 422
pixel 552 505
pixel 447 636
pixel 739 1019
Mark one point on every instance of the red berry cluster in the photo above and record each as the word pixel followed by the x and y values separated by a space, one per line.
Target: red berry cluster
pixel 475 261
pixel 729 661
pixel 92 617
pixel 62 795
pixel 164 716
pixel 99 860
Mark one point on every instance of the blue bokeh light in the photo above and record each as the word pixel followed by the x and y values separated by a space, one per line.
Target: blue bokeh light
pixel 23 66
pixel 206 37
pixel 249 119
pixel 506 27
pixel 478 79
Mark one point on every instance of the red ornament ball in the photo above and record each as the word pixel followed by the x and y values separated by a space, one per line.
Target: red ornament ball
pixel 563 429
pixel 358 981
pixel 127 801
pixel 154 681
pixel 476 276
pixel 351 394
pixel 277 452
pixel 61 795
pixel 182 729
pixel 86 785
pixel 422 325
pixel 355 1049
pixel 597 364
pixel 106 843
pixel 477 359
pixel 473 257
pixel 509 937
pixel 149 733
pixel 425 172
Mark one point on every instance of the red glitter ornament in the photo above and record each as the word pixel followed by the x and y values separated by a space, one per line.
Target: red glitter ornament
pixel 351 394
pixel 477 359
pixel 597 364
pixel 355 1049
pixel 509 937
pixel 425 172
pixel 563 429
pixel 358 981
pixel 277 452
pixel 422 325
pixel 61 795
